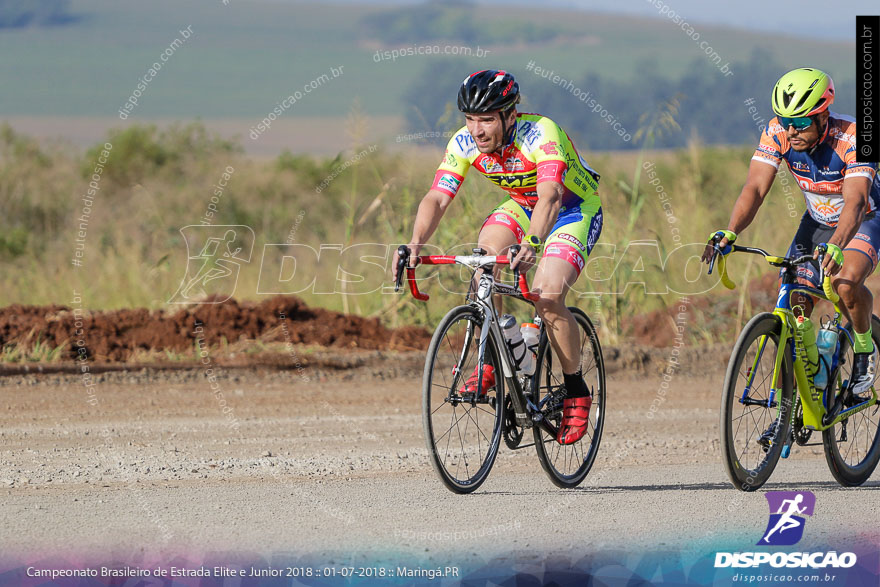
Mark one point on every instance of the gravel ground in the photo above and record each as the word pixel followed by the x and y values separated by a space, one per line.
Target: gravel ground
pixel 333 461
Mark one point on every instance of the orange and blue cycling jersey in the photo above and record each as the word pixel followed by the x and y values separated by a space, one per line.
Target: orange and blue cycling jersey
pixel 820 173
pixel 539 151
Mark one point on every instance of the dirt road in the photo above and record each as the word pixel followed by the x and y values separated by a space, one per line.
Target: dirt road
pixel 334 465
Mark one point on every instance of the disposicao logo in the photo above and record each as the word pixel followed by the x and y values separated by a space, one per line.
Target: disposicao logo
pixel 787 511
pixel 785 528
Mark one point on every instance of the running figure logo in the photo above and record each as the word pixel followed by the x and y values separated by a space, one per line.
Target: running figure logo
pixel 214 258
pixel 787 508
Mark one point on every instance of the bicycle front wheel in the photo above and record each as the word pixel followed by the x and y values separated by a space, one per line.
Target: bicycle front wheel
pixel 567 465
pixel 462 428
pixel 852 447
pixel 756 405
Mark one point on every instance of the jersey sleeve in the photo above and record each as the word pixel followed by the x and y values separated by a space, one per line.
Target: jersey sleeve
pixel 773 144
pixel 856 168
pixel 454 166
pixel 548 154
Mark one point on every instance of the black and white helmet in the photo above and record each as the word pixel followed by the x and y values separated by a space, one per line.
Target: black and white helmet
pixel 487 91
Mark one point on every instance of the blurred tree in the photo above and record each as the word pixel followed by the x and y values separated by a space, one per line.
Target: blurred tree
pixel 24 13
pixel 711 106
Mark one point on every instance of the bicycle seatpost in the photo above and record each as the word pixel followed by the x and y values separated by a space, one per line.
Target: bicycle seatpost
pixel 402 263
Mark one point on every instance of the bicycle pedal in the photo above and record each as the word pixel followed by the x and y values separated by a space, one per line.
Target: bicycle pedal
pixel 786 450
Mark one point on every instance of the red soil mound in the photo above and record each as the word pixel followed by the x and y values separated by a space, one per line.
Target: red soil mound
pixel 116 335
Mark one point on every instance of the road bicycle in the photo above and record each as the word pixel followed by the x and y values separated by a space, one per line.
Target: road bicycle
pixel 463 429
pixel 762 418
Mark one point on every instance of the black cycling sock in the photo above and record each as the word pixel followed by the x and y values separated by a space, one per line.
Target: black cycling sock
pixel 575 386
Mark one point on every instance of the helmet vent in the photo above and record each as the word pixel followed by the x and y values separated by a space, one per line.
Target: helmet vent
pixel 786 98
pixel 804 98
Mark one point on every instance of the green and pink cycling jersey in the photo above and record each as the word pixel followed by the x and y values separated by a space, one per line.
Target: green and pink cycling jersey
pixel 539 151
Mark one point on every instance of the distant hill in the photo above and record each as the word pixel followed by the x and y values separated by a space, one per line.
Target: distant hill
pixel 246 56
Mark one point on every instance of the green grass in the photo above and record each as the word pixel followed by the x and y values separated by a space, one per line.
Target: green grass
pixel 246 56
pixel 26 351
pixel 135 255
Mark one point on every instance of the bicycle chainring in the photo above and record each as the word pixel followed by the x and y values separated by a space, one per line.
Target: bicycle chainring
pixel 513 434
pixel 801 434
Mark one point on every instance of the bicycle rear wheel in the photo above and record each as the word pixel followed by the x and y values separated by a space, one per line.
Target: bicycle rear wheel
pixel 750 404
pixel 462 430
pixel 568 465
pixel 852 447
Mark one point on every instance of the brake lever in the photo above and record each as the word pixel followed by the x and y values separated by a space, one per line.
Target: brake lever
pixel 717 250
pixel 822 250
pixel 402 262
pixel 514 251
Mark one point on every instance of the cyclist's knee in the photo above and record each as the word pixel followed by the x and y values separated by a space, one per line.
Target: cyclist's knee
pixel 549 303
pixel 846 288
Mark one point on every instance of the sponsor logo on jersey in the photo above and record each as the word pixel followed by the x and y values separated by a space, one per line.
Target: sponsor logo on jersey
pixel 576 258
pixel 827 171
pixel 531 135
pixel 448 182
pixel 799 165
pixel 567 237
pixel 514 164
pixel 512 182
pixel 826 206
pixel 549 148
pixel 489 165
pixel 465 141
pixel 819 187
pixel 806 272
pixel 768 150
pixel 450 160
pixel 840 135
pixel 595 229
pixel 503 219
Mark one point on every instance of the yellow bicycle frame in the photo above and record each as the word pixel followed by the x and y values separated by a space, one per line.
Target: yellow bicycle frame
pixel 790 341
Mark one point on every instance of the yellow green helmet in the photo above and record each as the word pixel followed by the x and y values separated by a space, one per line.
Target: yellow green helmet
pixel 803 92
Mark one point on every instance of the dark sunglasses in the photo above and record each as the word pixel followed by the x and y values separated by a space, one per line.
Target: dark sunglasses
pixel 799 123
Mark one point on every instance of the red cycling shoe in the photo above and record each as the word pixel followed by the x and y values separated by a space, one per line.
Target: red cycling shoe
pixel 470 386
pixel 575 419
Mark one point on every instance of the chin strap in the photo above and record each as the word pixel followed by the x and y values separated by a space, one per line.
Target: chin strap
pixel 505 140
pixel 822 136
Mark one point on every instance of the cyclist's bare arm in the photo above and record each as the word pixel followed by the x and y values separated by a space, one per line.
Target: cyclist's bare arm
pixel 430 212
pixel 758 184
pixel 544 216
pixel 855 206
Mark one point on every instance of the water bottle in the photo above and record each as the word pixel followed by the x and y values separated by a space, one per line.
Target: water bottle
pixel 808 337
pixel 826 343
pixel 512 334
pixel 531 333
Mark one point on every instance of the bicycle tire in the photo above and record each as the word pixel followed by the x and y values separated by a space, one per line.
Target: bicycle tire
pixel 579 456
pixel 438 388
pixel 860 434
pixel 741 475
